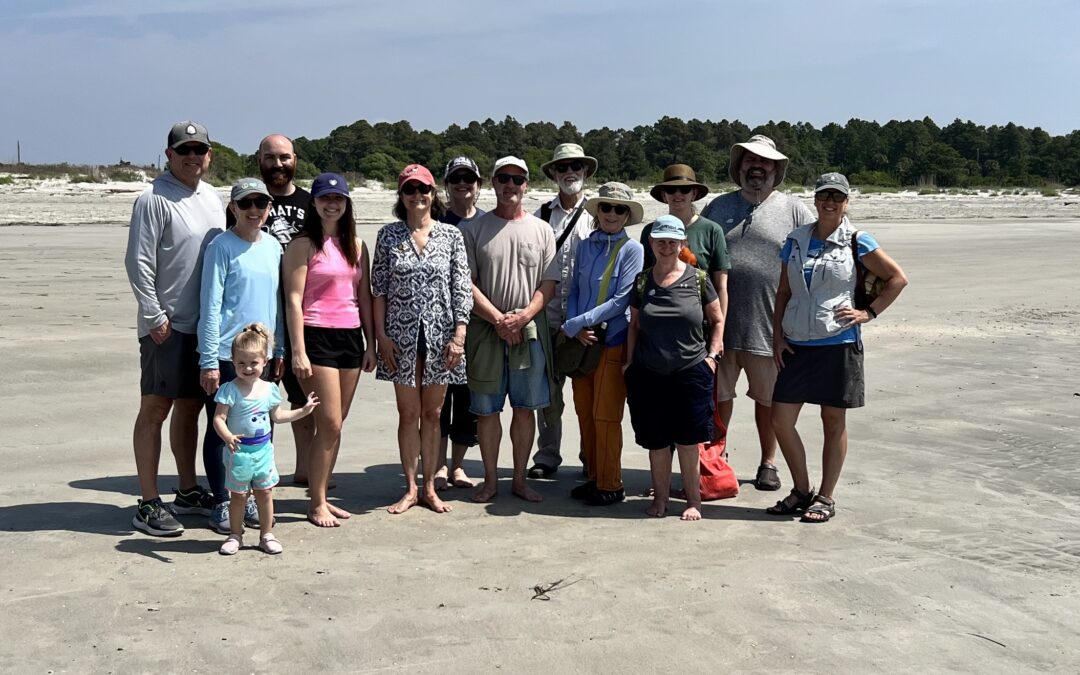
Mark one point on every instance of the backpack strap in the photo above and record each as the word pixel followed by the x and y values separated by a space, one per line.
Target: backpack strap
pixel 701 279
pixel 605 281
pixel 641 280
pixel 545 211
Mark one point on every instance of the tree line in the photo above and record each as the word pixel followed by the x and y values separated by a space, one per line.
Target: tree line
pixel 897 153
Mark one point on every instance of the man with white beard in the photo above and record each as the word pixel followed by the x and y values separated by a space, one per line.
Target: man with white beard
pixel 571 223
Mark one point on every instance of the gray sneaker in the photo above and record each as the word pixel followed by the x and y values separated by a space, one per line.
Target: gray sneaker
pixel 219 518
pixel 251 512
pixel 198 501
pixel 153 518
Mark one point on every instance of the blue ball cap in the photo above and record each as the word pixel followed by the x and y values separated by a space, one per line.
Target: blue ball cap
pixel 329 183
pixel 668 226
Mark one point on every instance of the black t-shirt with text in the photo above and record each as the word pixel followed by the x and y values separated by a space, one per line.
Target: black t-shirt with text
pixel 285 217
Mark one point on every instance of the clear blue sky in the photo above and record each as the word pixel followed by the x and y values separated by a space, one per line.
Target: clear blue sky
pixel 95 81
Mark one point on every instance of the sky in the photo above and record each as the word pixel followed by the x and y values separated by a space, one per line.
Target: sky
pixel 96 81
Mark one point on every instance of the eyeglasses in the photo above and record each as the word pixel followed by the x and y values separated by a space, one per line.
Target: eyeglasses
pixel 412 187
pixel 192 148
pixel 258 202
pixel 681 189
pixel 505 178
pixel 462 177
pixel 563 167
pixel 619 209
pixel 830 196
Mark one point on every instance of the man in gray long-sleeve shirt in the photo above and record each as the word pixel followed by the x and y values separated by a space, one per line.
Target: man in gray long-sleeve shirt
pixel 756 220
pixel 171 224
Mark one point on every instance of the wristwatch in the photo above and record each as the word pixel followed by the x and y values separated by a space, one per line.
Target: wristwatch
pixel 715 356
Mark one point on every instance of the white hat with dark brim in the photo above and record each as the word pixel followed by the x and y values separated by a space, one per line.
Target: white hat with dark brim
pixel 762 146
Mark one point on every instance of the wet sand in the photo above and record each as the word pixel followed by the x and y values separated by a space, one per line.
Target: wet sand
pixel 955 546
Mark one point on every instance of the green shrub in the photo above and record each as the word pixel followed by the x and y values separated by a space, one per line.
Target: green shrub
pixel 85 178
pixel 6 180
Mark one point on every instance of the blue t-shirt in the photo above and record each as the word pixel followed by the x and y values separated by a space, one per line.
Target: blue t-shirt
pixel 240 284
pixel 866 244
pixel 248 417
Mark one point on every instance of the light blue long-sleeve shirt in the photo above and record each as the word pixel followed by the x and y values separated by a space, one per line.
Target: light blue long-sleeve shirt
pixel 592 258
pixel 241 283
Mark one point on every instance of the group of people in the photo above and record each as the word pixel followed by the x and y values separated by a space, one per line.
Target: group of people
pixel 463 309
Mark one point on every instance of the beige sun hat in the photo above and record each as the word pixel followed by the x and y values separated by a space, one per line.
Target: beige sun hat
pixel 762 146
pixel 678 175
pixel 565 152
pixel 616 193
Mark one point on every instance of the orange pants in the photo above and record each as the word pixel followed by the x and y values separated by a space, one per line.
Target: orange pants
pixel 600 399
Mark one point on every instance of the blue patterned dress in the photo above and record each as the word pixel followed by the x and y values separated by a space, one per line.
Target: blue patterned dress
pixel 432 289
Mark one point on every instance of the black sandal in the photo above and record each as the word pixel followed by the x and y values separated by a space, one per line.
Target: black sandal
pixel 795 501
pixel 768 478
pixel 821 506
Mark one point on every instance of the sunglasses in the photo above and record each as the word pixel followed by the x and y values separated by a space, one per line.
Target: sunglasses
pixel 830 196
pixel 192 149
pixel 563 167
pixel 413 187
pixel 258 202
pixel 619 209
pixel 462 177
pixel 682 189
pixel 505 178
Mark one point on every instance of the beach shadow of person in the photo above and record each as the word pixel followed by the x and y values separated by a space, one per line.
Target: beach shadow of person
pixel 125 485
pixel 88 517
pixel 157 548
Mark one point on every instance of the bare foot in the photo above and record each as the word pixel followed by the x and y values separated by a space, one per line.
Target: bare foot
pixel 657 508
pixel 339 512
pixel 403 504
pixel 691 513
pixel 485 494
pixel 440 479
pixel 432 501
pixel 461 480
pixel 525 492
pixel 322 517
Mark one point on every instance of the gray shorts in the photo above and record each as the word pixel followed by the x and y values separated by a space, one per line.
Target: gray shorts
pixel 171 369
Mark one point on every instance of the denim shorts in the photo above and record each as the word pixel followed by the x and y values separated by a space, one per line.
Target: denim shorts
pixel 527 388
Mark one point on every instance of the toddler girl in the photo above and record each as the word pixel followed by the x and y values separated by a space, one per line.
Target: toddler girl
pixel 246 406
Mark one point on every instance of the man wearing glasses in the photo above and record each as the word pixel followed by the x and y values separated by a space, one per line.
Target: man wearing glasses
pixel 571 224
pixel 756 220
pixel 508 344
pixel 171 224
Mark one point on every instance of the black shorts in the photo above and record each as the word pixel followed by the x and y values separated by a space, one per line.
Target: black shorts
pixel 829 375
pixel 293 391
pixel 675 408
pixel 170 369
pixel 341 348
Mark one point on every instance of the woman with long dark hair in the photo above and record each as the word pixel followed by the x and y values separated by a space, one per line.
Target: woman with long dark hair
pixel 330 323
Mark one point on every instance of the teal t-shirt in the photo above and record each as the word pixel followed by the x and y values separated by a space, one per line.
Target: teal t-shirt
pixel 248 417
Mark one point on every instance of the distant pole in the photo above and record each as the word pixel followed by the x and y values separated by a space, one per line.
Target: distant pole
pixel 18 153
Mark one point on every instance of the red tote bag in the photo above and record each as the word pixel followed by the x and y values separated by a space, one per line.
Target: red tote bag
pixel 718 480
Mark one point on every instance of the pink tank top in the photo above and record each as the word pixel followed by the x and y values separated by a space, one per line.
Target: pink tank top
pixel 330 290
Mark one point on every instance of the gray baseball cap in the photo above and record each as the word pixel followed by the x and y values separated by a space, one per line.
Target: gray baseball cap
pixel 248 186
pixel 461 163
pixel 832 181
pixel 188 132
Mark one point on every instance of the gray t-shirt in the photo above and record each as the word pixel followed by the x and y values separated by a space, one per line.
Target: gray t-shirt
pixel 171 225
pixel 754 237
pixel 671 333
pixel 509 258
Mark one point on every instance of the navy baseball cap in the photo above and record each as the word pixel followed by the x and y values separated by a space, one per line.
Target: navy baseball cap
pixel 329 183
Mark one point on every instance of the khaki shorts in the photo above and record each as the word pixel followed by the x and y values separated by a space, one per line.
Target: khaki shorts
pixel 760 376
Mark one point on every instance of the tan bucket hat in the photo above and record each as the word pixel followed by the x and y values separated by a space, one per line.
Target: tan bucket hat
pixel 762 146
pixel 677 175
pixel 616 193
pixel 565 152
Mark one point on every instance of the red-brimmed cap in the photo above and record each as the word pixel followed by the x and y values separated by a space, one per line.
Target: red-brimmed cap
pixel 415 172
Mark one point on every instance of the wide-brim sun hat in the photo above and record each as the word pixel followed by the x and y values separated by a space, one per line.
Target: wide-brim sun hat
pixel 616 193
pixel 678 175
pixel 568 152
pixel 762 146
